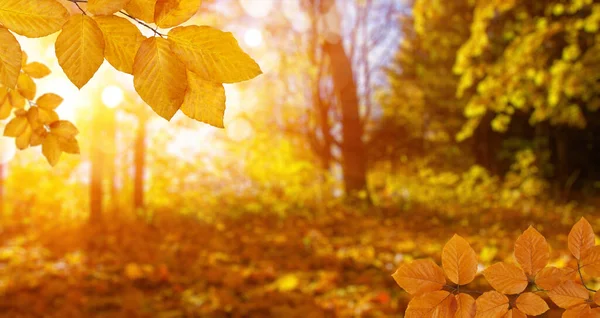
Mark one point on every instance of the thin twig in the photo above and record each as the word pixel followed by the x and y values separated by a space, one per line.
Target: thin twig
pixel 581 277
pixel 141 23
pixel 79 7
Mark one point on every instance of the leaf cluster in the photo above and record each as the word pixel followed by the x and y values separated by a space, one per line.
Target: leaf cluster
pixel 516 286
pixel 182 70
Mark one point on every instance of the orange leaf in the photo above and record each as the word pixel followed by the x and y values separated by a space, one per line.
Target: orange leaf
pixel 465 306
pixel 578 311
pixel 581 238
pixel 435 304
pixel 515 313
pixel 491 304
pixel 506 278
pixel 597 298
pixel 569 294
pixel 459 261
pixel 532 251
pixel 550 277
pixel 591 261
pixel 531 304
pixel 420 276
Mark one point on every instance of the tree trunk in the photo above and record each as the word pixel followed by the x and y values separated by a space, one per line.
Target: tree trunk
pixel 139 164
pixel 96 171
pixel 354 163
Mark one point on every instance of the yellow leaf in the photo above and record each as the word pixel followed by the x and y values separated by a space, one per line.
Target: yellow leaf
pixel 213 54
pixel 435 304
pixel 24 59
pixel 51 149
pixel 142 9
pixel 22 142
pixel 64 128
pixel 420 276
pixel 459 261
pixel 159 77
pixel 492 304
pixel 5 108
pixel 581 238
pixel 122 41
pixel 569 294
pixel 38 137
pixel 531 304
pixel 532 251
pixel 204 100
pixel 16 100
pixel 80 49
pixel 170 13
pixel 26 86
pixel 106 7
pixel 33 19
pixel 49 101
pixel 466 307
pixel 506 278
pixel 10 58
pixel 16 126
pixel 69 145
pixel 36 70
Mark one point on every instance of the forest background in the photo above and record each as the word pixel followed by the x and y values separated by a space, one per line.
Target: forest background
pixel 378 130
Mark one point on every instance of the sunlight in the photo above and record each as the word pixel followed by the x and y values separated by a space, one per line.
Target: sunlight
pixel 257 8
pixel 240 129
pixel 253 37
pixel 7 149
pixel 112 96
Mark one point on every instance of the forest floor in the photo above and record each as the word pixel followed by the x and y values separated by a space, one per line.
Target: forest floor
pixel 336 265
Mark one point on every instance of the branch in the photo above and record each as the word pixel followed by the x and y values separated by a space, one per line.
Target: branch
pixel 142 23
pixel 581 277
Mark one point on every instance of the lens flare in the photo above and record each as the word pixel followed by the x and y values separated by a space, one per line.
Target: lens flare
pixel 112 96
pixel 253 38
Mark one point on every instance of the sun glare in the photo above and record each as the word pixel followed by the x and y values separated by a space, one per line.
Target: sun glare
pixel 7 149
pixel 112 96
pixel 257 8
pixel 253 37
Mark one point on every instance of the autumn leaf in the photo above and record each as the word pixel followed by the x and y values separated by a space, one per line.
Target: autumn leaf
pixel 506 278
pixel 590 262
pixel 16 100
pixel 22 142
pixel 49 101
pixel 465 306
pixel 581 238
pixel 170 13
pixel 491 304
pixel 531 304
pixel 106 7
pixel 159 77
pixel 26 86
pixel 532 251
pixel 569 294
pixel 597 298
pixel 36 70
pixel 550 277
pixel 459 261
pixel 33 19
pixel 122 41
pixel 582 310
pixel 204 100
pixel 435 304
pixel 213 54
pixel 80 49
pixel 514 313
pixel 5 106
pixel 142 9
pixel 420 276
pixel 10 58
pixel 64 128
pixel 51 149
pixel 16 126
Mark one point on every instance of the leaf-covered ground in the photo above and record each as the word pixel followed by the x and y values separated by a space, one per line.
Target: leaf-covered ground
pixel 335 265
